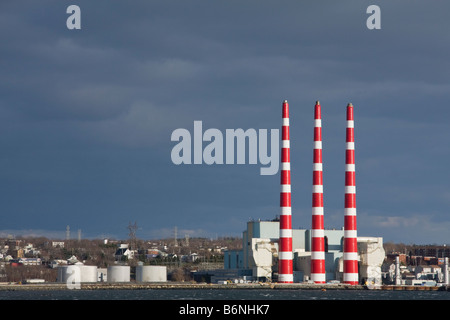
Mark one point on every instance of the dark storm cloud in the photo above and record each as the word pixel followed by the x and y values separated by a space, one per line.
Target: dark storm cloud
pixel 86 115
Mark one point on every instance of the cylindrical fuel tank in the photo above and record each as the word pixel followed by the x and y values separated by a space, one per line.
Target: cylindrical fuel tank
pixel 118 274
pixel 151 273
pixel 77 273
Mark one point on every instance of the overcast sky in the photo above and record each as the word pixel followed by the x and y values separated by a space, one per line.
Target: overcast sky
pixel 86 116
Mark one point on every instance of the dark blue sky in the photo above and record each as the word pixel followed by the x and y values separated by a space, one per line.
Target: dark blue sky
pixel 86 115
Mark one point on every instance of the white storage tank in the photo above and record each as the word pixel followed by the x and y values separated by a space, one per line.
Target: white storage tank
pixel 77 273
pixel 151 273
pixel 89 273
pixel 64 272
pixel 118 274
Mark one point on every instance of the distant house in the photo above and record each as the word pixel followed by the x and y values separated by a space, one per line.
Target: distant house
pixel 57 262
pixel 122 252
pixel 193 257
pixel 72 260
pixel 152 253
pixel 56 244
pixel 29 249
pixel 431 272
pixel 30 261
pixel 190 258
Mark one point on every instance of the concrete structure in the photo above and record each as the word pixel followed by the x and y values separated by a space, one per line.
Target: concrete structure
pixel 371 257
pixel 398 277
pixel 317 228
pixel 151 274
pixel 118 274
pixel 261 257
pixel 259 254
pixel 262 236
pixel 446 279
pixel 285 261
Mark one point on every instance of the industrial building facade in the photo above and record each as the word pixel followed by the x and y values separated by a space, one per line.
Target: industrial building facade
pixel 258 259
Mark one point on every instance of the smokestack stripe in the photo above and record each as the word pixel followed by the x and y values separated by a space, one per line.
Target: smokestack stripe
pixel 350 230
pixel 285 262
pixel 317 230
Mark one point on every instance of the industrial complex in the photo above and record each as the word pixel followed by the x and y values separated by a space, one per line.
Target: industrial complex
pixel 258 259
pixel 272 251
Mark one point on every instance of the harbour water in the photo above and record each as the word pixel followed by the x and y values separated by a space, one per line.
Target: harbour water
pixel 222 303
pixel 226 294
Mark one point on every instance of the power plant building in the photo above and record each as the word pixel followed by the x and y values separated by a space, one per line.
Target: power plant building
pixel 258 259
pixel 274 251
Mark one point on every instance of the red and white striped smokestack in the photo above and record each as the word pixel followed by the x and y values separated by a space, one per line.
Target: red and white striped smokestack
pixel 285 264
pixel 317 234
pixel 350 233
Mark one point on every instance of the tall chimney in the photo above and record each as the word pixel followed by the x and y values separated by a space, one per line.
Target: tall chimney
pixel 285 264
pixel 317 232
pixel 350 230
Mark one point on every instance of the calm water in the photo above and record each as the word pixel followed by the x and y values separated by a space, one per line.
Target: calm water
pixel 216 294
pixel 222 304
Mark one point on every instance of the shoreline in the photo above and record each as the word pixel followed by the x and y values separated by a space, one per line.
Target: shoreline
pixel 209 286
pixel 176 285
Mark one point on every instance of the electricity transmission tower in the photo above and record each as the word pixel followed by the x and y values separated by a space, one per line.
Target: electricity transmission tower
pixel 132 228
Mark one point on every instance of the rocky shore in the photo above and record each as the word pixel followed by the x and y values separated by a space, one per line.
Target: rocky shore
pixel 208 286
pixel 176 285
